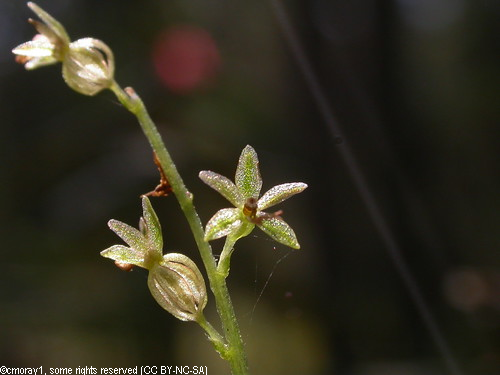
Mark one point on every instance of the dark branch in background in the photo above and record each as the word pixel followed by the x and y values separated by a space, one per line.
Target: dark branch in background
pixel 362 187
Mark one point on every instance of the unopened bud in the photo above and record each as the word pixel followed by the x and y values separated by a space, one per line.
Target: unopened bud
pixel 177 285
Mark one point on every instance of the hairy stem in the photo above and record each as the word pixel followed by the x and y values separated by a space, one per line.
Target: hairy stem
pixel 235 353
pixel 213 336
pixel 225 256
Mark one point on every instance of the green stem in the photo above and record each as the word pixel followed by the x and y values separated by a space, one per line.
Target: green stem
pixel 235 353
pixel 225 256
pixel 214 336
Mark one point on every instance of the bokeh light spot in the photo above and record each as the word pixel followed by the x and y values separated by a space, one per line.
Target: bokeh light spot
pixel 185 58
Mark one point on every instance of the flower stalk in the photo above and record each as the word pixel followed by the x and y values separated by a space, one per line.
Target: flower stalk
pixel 225 256
pixel 233 351
pixel 174 280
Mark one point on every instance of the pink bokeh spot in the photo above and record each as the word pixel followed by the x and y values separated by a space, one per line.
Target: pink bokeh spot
pixel 185 58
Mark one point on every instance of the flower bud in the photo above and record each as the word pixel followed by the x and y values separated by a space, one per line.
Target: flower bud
pixel 177 285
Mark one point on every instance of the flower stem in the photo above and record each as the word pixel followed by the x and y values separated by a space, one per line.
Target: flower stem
pixel 225 256
pixel 235 353
pixel 213 336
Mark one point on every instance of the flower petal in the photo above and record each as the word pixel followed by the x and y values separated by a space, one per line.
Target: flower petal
pixel 35 48
pixel 46 32
pixel 124 254
pixel 152 227
pixel 51 22
pixel 248 178
pixel 223 186
pixel 134 238
pixel 279 193
pixel 37 62
pixel 224 221
pixel 280 231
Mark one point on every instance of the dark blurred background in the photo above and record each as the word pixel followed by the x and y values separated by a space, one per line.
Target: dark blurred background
pixel 414 85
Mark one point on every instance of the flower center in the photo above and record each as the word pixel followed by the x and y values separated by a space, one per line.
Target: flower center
pixel 250 208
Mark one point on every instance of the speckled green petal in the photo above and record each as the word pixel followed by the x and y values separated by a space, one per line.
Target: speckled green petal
pixel 223 186
pixel 52 23
pixel 38 62
pixel 152 228
pixel 224 221
pixel 280 231
pixel 279 193
pixel 248 178
pixel 35 48
pixel 130 235
pixel 124 254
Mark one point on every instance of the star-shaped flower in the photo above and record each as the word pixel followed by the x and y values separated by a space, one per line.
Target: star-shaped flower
pixel 88 63
pixel 249 208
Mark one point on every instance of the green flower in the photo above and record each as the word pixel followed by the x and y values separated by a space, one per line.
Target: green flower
pixel 145 245
pixel 174 280
pixel 248 212
pixel 88 64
